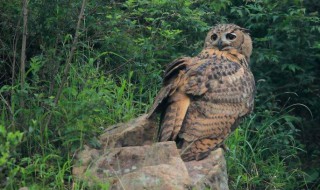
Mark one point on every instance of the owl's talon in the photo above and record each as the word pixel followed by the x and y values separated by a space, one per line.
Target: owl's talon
pixel 225 147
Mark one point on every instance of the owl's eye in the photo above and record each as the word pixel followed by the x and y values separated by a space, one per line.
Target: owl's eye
pixel 214 37
pixel 231 36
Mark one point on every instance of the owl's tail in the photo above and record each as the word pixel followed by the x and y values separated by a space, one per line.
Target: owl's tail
pixel 198 149
pixel 173 117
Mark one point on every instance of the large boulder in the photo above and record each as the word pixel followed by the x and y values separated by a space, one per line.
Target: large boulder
pixel 129 158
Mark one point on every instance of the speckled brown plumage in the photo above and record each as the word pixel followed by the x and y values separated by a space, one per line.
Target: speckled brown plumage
pixel 203 98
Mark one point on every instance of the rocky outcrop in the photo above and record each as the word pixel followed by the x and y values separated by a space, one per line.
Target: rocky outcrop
pixel 210 172
pixel 158 166
pixel 129 159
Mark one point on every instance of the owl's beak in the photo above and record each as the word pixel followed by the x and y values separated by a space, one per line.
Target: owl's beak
pixel 220 45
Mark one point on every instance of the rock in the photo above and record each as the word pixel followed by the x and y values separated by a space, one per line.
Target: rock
pixel 159 166
pixel 210 172
pixel 84 158
pixel 137 132
pixel 23 188
pixel 154 177
pixel 129 159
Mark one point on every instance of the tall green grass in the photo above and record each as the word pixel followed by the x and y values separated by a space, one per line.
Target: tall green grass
pixel 41 156
pixel 264 153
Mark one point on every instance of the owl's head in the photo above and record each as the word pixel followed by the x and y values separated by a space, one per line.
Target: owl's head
pixel 229 36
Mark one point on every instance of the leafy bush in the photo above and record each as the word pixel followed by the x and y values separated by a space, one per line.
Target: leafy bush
pixel 9 166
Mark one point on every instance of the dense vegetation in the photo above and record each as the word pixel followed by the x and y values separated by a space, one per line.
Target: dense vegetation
pixel 115 72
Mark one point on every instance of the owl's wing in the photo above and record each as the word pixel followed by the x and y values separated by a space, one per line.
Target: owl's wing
pixel 222 83
pixel 172 78
pixel 217 89
pixel 211 75
pixel 171 101
pixel 220 92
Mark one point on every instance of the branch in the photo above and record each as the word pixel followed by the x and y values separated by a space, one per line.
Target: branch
pixel 68 62
pixel 13 68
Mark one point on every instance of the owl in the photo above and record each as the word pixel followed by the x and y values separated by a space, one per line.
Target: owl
pixel 203 98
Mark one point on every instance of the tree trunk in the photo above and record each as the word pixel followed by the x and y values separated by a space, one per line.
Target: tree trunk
pixel 23 56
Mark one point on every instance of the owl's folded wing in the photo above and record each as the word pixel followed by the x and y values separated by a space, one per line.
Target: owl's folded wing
pixel 172 78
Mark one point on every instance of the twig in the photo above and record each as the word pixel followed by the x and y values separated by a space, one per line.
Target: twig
pixel 68 62
pixel 6 103
pixel 13 69
pixel 123 64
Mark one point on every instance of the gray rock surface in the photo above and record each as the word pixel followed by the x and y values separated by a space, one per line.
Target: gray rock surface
pixel 210 172
pixel 130 159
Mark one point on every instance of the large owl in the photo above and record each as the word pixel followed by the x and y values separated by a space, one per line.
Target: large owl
pixel 203 98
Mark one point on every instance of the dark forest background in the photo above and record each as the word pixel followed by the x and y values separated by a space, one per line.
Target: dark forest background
pixel 63 82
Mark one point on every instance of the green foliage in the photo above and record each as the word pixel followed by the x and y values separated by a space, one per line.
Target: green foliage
pixel 264 152
pixel 9 168
pixel 116 72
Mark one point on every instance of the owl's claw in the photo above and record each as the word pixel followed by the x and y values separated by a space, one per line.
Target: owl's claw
pixel 224 147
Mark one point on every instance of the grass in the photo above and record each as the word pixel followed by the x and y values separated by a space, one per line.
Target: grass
pixel 264 153
pixel 42 157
